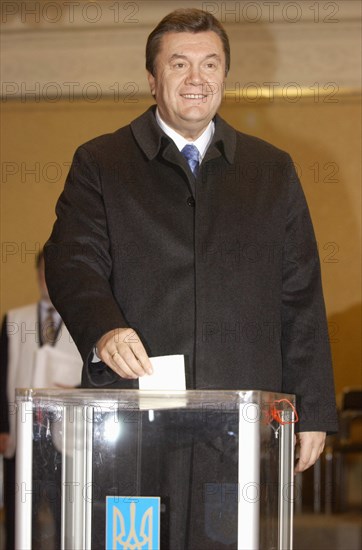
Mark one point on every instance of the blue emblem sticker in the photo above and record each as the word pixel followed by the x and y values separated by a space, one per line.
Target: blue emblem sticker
pixel 132 523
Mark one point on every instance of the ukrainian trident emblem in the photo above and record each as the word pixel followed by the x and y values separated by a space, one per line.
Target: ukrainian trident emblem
pixel 133 523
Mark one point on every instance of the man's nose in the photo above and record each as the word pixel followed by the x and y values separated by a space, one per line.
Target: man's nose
pixel 194 76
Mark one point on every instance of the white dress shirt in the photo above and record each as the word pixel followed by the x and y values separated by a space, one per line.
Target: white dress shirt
pixel 202 143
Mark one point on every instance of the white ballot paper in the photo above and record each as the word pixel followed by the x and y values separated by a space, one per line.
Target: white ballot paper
pixel 168 374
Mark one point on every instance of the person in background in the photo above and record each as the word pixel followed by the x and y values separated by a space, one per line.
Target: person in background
pixel 178 234
pixel 36 351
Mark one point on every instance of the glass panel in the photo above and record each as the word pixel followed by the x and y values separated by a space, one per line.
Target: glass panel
pixel 269 486
pixel 182 447
pixel 47 475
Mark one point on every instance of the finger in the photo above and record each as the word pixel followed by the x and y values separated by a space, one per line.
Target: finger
pixel 301 466
pixel 120 366
pixel 131 338
pixel 305 451
pixel 125 359
pixel 308 455
pixel 141 355
pixel 132 361
pixel 122 361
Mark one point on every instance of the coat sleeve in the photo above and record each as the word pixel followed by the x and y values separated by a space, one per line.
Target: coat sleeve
pixel 78 263
pixel 4 405
pixel 307 366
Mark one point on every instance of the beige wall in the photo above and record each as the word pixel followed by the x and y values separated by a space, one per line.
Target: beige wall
pixel 322 137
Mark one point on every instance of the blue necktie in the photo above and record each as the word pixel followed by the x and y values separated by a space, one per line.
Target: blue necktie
pixel 192 155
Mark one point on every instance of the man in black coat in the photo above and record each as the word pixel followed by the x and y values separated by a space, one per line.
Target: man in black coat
pixel 213 256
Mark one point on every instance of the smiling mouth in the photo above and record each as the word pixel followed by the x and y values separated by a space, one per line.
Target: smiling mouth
pixel 194 96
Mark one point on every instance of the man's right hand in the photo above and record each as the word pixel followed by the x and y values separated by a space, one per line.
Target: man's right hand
pixel 4 442
pixel 122 350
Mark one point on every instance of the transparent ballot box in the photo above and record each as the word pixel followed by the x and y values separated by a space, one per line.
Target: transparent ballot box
pixel 132 470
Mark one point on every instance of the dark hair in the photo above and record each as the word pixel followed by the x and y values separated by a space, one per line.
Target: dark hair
pixel 185 20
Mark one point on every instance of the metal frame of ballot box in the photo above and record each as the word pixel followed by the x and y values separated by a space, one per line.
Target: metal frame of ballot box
pixel 251 434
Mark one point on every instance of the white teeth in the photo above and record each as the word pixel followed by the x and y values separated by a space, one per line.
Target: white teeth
pixel 194 96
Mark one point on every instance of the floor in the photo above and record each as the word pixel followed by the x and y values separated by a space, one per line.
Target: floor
pixel 328 532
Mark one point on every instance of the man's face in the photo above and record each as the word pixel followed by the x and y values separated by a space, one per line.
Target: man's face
pixel 188 80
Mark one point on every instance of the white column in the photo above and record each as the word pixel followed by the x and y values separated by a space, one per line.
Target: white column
pixel 24 470
pixel 249 477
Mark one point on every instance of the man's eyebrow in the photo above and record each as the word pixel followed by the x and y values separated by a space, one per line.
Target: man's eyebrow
pixel 182 56
pixel 177 56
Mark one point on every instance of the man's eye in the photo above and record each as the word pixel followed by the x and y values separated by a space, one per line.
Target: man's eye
pixel 179 65
pixel 210 65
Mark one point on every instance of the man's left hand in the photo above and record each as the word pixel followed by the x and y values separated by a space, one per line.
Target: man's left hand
pixel 311 445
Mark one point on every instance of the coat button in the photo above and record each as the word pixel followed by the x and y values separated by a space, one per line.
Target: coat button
pixel 191 201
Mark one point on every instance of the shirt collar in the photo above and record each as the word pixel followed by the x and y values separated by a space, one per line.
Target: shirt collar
pixel 202 142
pixel 149 136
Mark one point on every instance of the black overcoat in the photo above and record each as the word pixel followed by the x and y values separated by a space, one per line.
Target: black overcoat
pixel 223 268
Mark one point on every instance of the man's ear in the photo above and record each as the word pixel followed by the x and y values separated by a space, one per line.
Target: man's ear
pixel 152 83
